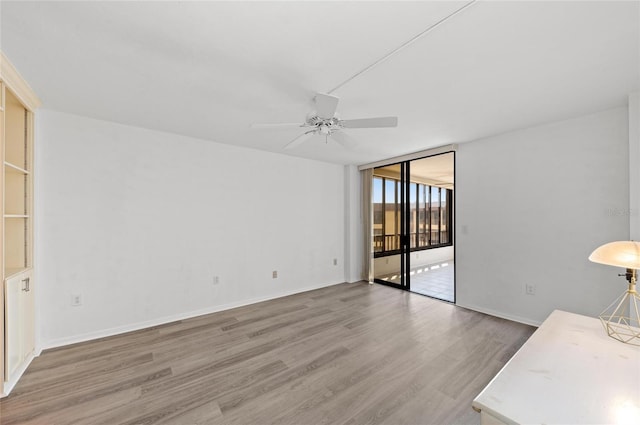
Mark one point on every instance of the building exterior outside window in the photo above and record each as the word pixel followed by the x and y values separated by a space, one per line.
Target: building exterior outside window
pixel 430 216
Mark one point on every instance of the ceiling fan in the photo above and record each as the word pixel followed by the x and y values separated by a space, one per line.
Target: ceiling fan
pixel 324 122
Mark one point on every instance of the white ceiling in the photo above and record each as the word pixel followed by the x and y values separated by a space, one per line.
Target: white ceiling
pixel 210 69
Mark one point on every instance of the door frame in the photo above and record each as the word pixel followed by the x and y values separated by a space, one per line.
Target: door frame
pixel 405 216
pixel 405 251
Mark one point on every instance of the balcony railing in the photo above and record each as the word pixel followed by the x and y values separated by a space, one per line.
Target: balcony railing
pixel 391 243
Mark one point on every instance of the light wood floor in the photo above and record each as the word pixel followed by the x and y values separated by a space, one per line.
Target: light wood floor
pixel 347 354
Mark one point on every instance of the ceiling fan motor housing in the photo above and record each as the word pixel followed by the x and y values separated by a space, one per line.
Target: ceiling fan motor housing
pixel 323 125
pixel 324 121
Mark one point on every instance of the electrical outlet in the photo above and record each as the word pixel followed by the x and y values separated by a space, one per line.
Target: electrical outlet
pixel 216 280
pixel 274 275
pixel 76 300
pixel 530 288
pixel 335 261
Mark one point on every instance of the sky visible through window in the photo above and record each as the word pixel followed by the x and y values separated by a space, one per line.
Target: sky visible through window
pixel 377 193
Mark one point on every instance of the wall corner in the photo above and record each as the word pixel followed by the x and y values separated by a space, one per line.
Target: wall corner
pixel 352 225
pixel 634 166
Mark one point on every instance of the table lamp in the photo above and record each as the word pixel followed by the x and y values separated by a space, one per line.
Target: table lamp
pixel 621 319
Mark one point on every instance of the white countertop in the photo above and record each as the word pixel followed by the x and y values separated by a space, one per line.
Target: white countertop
pixel 568 372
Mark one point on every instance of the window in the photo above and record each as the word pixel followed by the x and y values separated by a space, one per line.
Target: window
pixel 434 238
pixel 429 215
pixel 444 216
pixel 378 215
pixel 413 215
pixel 391 215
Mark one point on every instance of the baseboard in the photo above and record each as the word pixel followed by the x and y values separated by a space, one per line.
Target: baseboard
pixel 501 315
pixel 356 280
pixel 8 385
pixel 168 319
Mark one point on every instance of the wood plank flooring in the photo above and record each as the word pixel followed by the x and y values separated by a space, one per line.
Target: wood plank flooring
pixel 346 354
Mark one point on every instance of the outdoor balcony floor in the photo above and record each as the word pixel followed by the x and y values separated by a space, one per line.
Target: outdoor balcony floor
pixel 433 280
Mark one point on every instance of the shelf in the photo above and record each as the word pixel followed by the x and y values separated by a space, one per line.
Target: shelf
pixel 10 272
pixel 15 168
pixel 17 234
pixel 17 189
pixel 17 309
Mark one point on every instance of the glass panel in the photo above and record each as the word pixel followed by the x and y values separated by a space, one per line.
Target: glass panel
pixel 427 213
pixel 427 210
pixel 398 213
pixel 422 217
pixel 435 215
pixel 413 214
pixel 388 260
pixel 378 216
pixel 444 217
pixel 391 217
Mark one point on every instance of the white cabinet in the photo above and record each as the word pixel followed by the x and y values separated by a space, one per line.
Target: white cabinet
pixel 19 326
pixel 17 312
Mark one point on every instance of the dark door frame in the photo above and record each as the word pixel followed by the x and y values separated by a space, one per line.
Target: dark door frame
pixel 405 212
pixel 405 217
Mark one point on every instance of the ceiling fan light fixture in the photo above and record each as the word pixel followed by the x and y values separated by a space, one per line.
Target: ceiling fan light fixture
pixel 324 121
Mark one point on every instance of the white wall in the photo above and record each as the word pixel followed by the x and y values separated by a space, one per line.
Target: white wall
pixel 139 222
pixel 634 166
pixel 353 230
pixel 531 206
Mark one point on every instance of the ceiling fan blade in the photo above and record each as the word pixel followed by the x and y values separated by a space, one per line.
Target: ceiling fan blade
pixel 370 122
pixel 299 139
pixel 277 125
pixel 343 139
pixel 326 105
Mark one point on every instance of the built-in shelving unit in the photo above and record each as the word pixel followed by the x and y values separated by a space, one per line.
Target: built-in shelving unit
pixel 17 105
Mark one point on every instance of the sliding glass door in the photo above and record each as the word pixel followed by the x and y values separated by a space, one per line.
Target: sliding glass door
pixel 412 225
pixel 390 233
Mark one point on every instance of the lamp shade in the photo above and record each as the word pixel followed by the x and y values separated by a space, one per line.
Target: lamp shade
pixel 620 253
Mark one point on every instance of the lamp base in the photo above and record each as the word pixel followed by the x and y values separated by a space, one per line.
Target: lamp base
pixel 621 319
